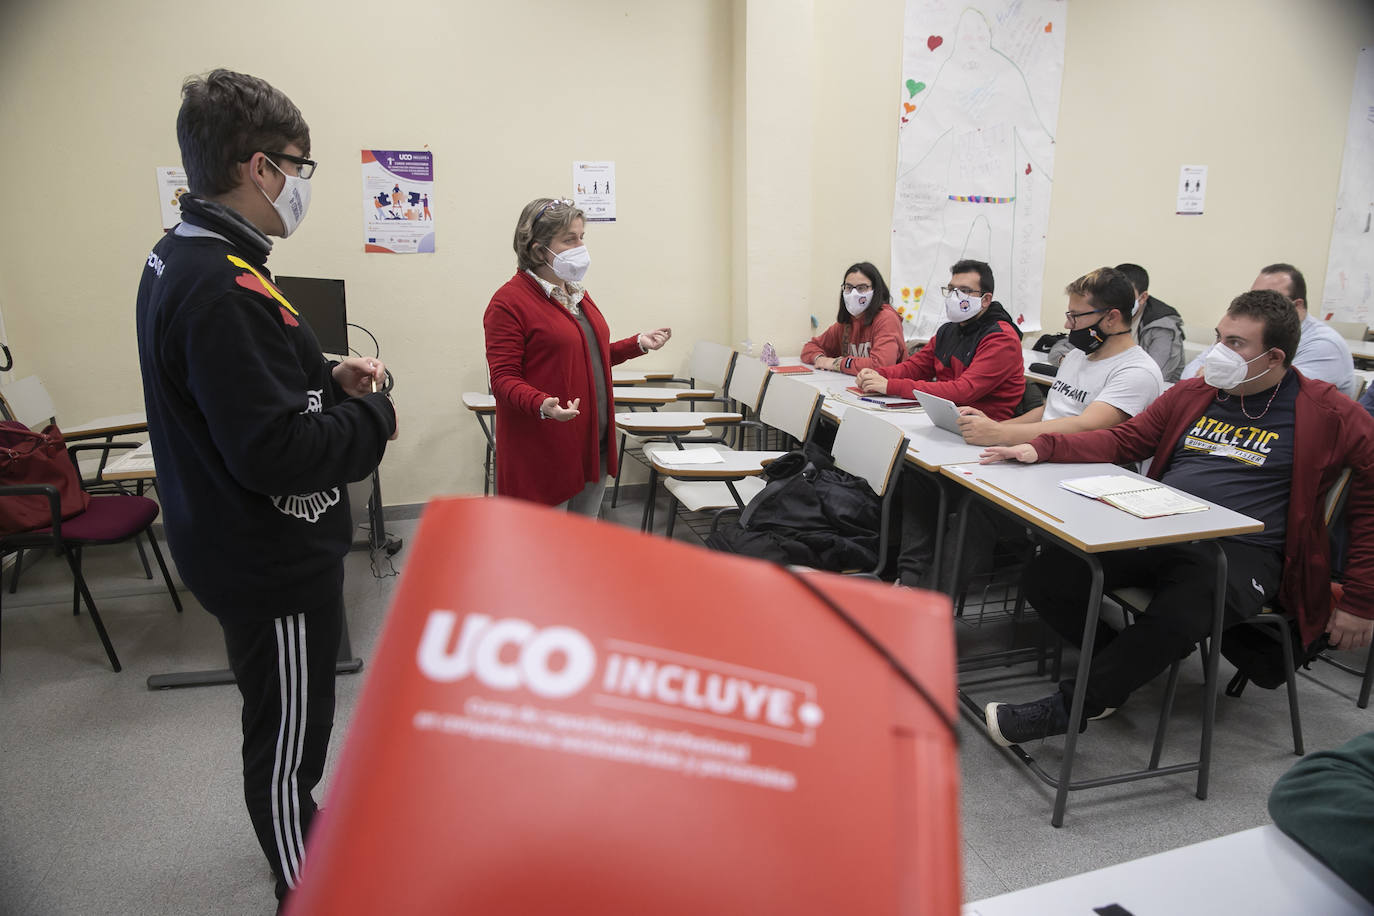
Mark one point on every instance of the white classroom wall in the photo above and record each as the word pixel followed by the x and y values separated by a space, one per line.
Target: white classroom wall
pixel 754 141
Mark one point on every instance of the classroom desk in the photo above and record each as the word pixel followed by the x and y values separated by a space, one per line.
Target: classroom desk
pixel 671 426
pixel 657 397
pixel 1258 872
pixel 135 464
pixel 109 427
pixel 733 467
pixel 483 407
pixel 626 376
pixel 1089 527
pixel 1361 349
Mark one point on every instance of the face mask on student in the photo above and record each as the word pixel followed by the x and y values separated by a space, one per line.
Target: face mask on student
pixel 292 203
pixel 571 266
pixel 960 307
pixel 856 302
pixel 1223 367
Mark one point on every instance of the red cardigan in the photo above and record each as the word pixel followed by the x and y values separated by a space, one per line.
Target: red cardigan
pixel 536 350
pixel 883 335
pixel 1330 432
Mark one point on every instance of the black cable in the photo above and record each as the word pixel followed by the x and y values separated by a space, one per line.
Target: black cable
pixel 376 347
pixel 9 360
pixel 896 665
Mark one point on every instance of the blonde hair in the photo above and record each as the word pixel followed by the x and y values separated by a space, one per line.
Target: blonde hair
pixel 541 220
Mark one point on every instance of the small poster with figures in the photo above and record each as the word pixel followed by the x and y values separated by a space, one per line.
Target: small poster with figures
pixel 398 201
pixel 171 184
pixel 594 191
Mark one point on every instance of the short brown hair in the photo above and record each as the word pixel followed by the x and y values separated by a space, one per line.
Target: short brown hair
pixel 1105 289
pixel 225 118
pixel 1281 326
pixel 541 220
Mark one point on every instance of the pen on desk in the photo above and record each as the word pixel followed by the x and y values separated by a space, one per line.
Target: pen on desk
pixel 870 400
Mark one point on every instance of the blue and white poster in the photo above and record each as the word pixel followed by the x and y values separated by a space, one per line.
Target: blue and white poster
pixel 398 201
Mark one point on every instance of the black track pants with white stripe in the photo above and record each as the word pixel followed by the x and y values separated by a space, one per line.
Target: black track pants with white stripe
pixel 285 672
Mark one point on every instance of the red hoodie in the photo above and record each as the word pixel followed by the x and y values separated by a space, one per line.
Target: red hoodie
pixel 872 346
pixel 1330 433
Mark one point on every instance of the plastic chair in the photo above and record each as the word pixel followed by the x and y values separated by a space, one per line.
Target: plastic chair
pixel 110 519
pixel 868 446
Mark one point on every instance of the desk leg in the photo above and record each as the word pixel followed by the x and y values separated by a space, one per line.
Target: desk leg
pixel 346 664
pixel 1209 700
pixel 646 520
pixel 1080 689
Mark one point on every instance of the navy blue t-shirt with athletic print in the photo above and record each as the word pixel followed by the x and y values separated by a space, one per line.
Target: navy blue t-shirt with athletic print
pixel 1239 453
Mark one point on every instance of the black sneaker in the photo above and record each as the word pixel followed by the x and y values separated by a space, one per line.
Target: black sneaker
pixel 1017 723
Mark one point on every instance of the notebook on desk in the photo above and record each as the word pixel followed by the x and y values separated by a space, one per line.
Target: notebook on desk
pixel 798 369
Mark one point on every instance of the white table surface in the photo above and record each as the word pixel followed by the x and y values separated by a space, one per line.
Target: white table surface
pixel 1032 491
pixel 119 423
pixel 135 464
pixel 479 401
pixel 1258 872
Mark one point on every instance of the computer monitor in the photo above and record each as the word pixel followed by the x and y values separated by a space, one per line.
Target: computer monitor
pixel 322 303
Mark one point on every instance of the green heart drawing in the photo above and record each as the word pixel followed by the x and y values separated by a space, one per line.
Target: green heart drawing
pixel 914 87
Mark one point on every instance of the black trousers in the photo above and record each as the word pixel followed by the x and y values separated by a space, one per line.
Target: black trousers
pixel 919 500
pixel 285 672
pixel 1183 577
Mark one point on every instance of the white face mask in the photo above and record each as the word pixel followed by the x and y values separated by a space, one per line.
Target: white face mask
pixel 1223 368
pixel 571 266
pixel 960 307
pixel 856 302
pixel 292 203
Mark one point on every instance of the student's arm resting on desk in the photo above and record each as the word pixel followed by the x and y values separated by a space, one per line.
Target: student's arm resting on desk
pixel 255 400
pixel 896 380
pixel 1133 440
pixel 827 343
pixel 1326 803
pixel 979 430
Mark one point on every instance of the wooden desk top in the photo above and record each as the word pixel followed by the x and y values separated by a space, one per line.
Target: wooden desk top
pixel 732 466
pixel 657 424
pixel 637 394
pixel 135 464
pixel 115 425
pixel 1032 492
pixel 478 402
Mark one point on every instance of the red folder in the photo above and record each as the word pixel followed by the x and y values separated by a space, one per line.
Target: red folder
pixel 566 716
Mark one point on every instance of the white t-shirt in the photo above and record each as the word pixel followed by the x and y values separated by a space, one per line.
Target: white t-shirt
pixel 1129 381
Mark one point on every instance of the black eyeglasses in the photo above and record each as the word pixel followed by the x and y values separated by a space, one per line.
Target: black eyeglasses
pixel 1074 316
pixel 861 288
pixel 556 204
pixel 951 290
pixel 304 167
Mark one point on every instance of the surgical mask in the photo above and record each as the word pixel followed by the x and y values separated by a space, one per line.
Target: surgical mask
pixel 1223 368
pixel 293 201
pixel 960 307
pixel 856 302
pixel 571 266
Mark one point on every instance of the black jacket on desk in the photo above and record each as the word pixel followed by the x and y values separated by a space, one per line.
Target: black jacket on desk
pixel 254 442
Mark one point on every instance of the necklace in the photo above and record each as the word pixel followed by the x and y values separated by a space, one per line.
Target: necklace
pixel 1223 398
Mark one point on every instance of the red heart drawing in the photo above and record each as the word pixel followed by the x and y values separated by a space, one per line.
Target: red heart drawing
pixel 1020 319
pixel 934 42
pixel 909 107
pixel 904 120
pixel 1027 168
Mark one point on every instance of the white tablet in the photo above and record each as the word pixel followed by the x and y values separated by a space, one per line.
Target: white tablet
pixel 942 413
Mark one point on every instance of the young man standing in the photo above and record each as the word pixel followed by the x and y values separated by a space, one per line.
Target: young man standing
pixel 1253 436
pixel 256 437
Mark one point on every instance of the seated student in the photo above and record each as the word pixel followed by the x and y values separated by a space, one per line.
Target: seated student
pixel 1253 436
pixel 1155 325
pixel 867 332
pixel 1322 352
pixel 1326 803
pixel 975 358
pixel 1107 378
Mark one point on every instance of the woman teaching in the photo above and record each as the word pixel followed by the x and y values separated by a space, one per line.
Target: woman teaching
pixel 549 354
pixel 867 332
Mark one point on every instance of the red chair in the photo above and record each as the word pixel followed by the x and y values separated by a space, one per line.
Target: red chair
pixel 108 520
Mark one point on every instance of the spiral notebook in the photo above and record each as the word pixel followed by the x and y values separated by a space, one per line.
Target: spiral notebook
pixel 1139 497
